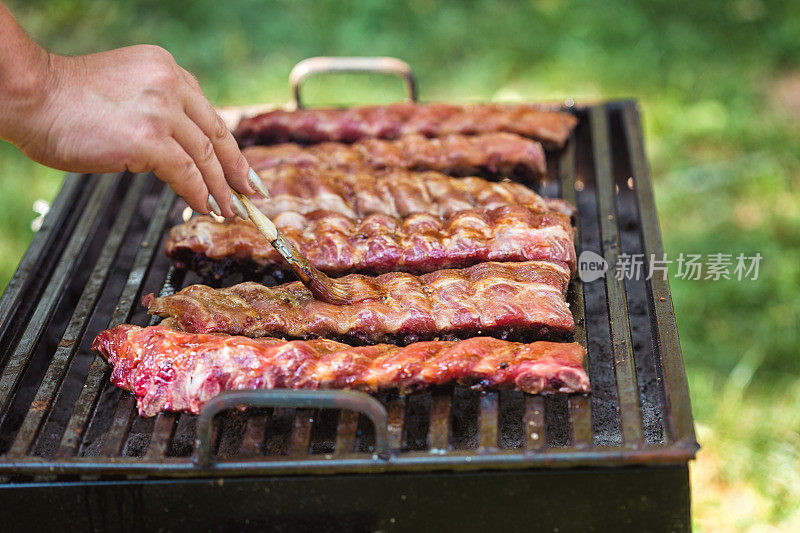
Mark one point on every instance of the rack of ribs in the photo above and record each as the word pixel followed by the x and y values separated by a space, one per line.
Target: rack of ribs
pixel 168 370
pixel 461 155
pixel 376 244
pixel 509 300
pixel 551 128
pixel 398 193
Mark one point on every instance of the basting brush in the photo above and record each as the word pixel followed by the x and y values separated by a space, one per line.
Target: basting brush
pixel 323 288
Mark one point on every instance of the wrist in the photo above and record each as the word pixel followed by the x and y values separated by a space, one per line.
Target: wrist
pixel 23 93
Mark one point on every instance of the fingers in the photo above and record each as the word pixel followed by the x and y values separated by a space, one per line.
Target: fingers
pixel 190 79
pixel 203 153
pixel 201 150
pixel 234 166
pixel 178 169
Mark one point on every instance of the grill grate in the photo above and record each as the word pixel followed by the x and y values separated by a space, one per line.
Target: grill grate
pixel 59 415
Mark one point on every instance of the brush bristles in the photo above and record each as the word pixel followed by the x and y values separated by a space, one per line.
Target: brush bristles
pixel 330 291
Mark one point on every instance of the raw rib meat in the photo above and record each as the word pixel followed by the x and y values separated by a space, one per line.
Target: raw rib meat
pixel 169 370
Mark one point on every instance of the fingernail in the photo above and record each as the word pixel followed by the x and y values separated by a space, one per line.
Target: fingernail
pixel 214 206
pixel 257 184
pixel 238 208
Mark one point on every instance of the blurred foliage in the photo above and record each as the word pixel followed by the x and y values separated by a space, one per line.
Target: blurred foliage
pixel 719 83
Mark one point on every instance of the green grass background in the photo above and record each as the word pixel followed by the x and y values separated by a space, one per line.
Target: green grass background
pixel 719 84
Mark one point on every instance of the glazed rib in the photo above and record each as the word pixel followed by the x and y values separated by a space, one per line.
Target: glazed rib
pixel 551 128
pixel 491 298
pixel 460 155
pixel 169 370
pixel 377 243
pixel 398 193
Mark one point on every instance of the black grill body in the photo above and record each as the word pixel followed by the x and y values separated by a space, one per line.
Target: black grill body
pixel 73 448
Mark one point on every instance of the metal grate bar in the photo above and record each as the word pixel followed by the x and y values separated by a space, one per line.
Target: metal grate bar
pixel 300 441
pixel 34 255
pixel 396 410
pixel 346 436
pixel 144 257
pixel 163 430
pixel 440 421
pixel 680 423
pixel 33 332
pixel 254 431
pixel 70 341
pixel 172 278
pixel 80 415
pixel 580 411
pixel 624 365
pixel 533 423
pixel 604 402
pixel 580 407
pixel 640 308
pixel 97 372
pixel 488 421
pixel 123 419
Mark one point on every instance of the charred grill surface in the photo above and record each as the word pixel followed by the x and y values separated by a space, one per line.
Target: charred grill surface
pixel 169 370
pixel 461 155
pixel 62 420
pixel 552 128
pixel 377 243
pixel 489 298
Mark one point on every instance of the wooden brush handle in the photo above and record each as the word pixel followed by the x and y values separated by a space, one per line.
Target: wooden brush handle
pixel 264 224
pixel 320 285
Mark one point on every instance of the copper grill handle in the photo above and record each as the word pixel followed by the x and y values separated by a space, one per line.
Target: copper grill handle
pixel 357 401
pixel 322 64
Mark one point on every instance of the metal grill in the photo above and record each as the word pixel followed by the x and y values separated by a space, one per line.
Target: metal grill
pixel 99 251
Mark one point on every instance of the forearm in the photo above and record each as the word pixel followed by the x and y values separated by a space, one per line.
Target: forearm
pixel 24 72
pixel 132 108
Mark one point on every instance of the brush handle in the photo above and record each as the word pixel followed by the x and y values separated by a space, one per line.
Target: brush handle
pixel 320 285
pixel 259 219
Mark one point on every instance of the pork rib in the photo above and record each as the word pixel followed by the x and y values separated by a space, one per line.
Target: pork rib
pixel 377 243
pixel 552 128
pixel 169 370
pixel 460 155
pixel 398 193
pixel 491 298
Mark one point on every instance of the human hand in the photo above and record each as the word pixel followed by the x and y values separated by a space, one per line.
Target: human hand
pixel 134 109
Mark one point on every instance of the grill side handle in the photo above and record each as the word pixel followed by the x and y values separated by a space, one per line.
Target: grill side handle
pixel 359 402
pixel 377 65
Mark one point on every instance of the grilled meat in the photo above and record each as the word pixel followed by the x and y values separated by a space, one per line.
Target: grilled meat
pixel 491 153
pixel 377 243
pixel 169 370
pixel 398 193
pixel 503 299
pixel 552 128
